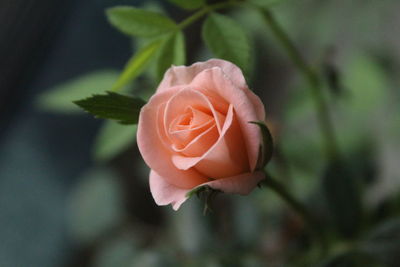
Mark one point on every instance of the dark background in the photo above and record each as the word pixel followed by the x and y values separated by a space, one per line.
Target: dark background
pixel 43 43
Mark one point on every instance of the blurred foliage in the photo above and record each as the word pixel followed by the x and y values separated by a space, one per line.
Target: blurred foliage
pixel 357 199
pixel 384 243
pixel 119 251
pixel 112 139
pixel 95 205
pixel 227 40
pixel 137 64
pixel 60 98
pixel 172 52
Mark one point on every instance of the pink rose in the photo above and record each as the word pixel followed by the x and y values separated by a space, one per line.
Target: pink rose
pixel 195 131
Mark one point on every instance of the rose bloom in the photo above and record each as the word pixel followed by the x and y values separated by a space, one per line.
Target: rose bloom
pixel 195 131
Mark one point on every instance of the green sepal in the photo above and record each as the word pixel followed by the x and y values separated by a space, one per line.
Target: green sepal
pixel 122 108
pixel 266 148
pixel 206 193
pixel 198 190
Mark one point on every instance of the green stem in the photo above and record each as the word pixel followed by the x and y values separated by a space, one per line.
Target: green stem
pixel 311 222
pixel 323 116
pixel 205 10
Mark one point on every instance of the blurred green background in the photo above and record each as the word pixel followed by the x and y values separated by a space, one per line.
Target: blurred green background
pixel 74 191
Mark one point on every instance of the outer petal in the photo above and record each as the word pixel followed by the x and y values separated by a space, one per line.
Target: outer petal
pixel 182 75
pixel 241 184
pixel 156 155
pixel 215 80
pixel 257 103
pixel 165 193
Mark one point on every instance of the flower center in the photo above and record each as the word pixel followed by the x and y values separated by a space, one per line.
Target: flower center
pixel 185 120
pixel 185 127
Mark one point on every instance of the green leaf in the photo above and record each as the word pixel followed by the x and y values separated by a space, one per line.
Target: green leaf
pixel 138 22
pixel 124 109
pixel 227 40
pixel 113 139
pixel 267 147
pixel 137 64
pixel 189 4
pixel 206 193
pixel 384 243
pixel 59 99
pixel 341 189
pixel 172 52
pixel 95 205
pixel 368 86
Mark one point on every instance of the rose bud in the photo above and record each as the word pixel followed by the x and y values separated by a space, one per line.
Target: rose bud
pixel 195 131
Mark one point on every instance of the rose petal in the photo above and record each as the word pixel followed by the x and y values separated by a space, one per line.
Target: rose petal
pixel 241 184
pixel 165 193
pixel 200 144
pixel 215 80
pixel 156 155
pixel 188 96
pixel 221 153
pixel 224 158
pixel 258 105
pixel 193 118
pixel 182 135
pixel 182 75
pixel 207 108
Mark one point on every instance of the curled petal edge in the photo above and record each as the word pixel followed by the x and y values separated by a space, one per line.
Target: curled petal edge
pixel 181 75
pixel 165 193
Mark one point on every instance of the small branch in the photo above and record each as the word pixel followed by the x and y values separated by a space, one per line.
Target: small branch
pixel 204 11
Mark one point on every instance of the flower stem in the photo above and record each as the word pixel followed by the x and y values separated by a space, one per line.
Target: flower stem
pixel 297 206
pixel 205 10
pixel 323 116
